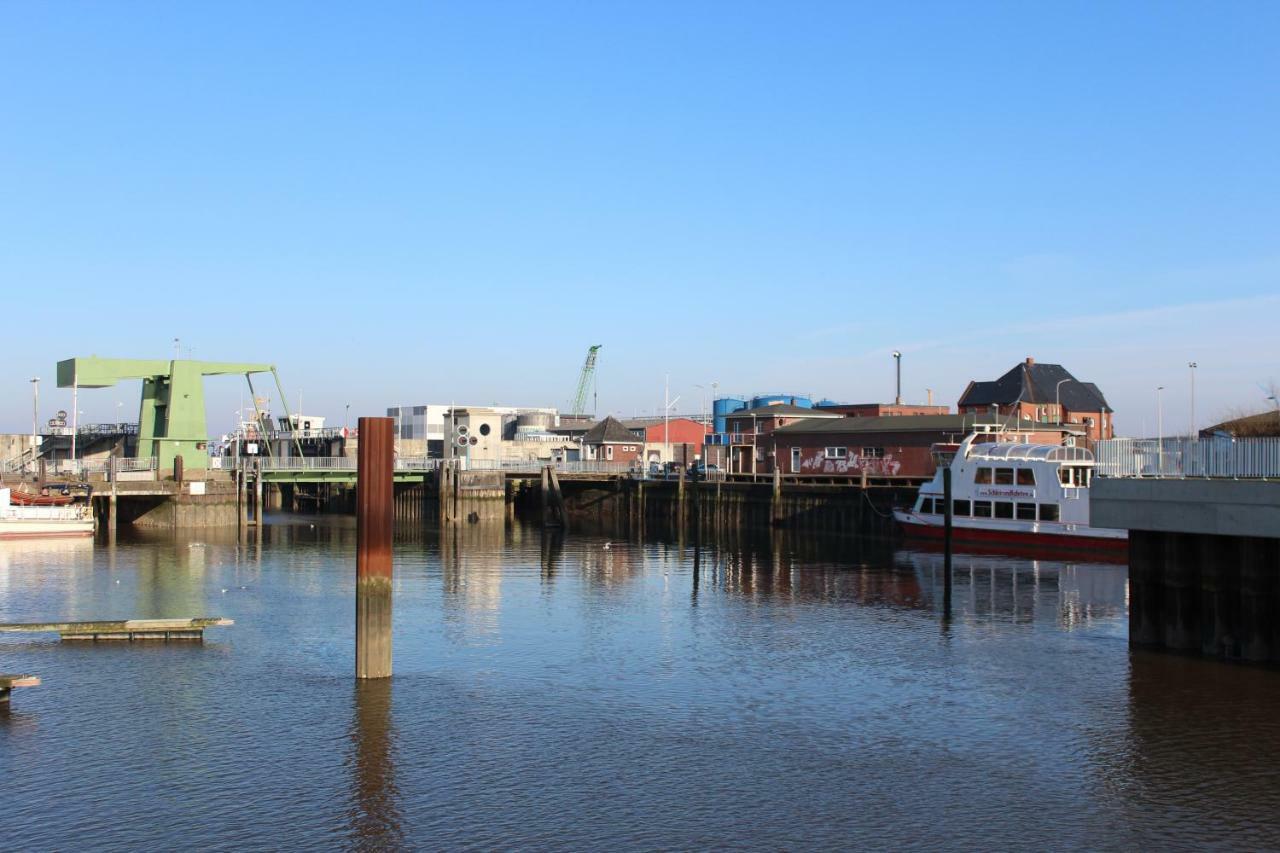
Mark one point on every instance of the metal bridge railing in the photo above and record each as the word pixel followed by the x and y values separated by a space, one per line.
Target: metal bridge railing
pixel 1226 458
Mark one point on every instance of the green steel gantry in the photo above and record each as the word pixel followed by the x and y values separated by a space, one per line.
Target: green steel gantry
pixel 171 418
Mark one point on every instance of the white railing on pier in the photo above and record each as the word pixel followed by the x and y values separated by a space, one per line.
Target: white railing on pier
pixel 416 463
pixel 1227 458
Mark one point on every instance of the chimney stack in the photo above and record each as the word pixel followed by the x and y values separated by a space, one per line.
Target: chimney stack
pixel 1030 361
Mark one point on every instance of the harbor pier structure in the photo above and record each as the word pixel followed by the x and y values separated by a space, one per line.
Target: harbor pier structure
pixel 1204 544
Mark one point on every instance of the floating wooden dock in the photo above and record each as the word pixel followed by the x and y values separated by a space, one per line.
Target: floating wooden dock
pixel 8 682
pixel 125 629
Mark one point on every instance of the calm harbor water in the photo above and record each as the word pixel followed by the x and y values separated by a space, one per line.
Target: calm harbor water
pixel 552 693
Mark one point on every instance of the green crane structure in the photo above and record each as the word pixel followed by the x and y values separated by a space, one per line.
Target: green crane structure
pixel 171 417
pixel 584 381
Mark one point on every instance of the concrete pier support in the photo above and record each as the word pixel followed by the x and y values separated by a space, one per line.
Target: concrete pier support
pixel 374 529
pixel 1199 593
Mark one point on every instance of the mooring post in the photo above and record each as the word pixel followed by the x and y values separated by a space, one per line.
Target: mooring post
pixel 776 503
pixel 374 527
pixel 946 541
pixel 112 505
pixel 546 495
pixel 242 495
pixel 257 497
pixel 557 498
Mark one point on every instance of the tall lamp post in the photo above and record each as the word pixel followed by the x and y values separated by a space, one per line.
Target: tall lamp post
pixel 1191 366
pixel 1159 430
pixel 897 397
pixel 35 408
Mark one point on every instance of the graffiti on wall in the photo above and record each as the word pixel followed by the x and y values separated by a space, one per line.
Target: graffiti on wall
pixel 816 462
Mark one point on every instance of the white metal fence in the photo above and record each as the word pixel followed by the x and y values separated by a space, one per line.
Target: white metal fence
pixel 1229 458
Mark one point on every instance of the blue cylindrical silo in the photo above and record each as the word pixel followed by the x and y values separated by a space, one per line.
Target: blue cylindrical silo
pixel 724 407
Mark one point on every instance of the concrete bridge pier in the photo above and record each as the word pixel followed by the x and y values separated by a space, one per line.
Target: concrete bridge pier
pixel 1204 563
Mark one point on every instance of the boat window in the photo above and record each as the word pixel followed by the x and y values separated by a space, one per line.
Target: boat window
pixel 960 508
pixel 983 476
pixel 982 509
pixel 1026 477
pixel 1048 512
pixel 1082 475
pixel 926 505
pixel 1064 474
pixel 1004 509
pixel 1026 512
pixel 1004 476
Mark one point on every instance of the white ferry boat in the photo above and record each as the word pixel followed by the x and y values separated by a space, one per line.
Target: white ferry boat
pixel 1007 493
pixel 19 521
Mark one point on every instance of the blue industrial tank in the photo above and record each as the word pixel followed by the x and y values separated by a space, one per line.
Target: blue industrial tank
pixel 723 407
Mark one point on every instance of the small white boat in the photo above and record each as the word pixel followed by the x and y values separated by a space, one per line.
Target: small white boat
pixel 1019 494
pixel 40 522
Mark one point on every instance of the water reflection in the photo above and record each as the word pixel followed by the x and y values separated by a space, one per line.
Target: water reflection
pixel 987 587
pixel 374 816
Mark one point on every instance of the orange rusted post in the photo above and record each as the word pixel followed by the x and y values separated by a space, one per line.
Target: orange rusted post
pixel 374 525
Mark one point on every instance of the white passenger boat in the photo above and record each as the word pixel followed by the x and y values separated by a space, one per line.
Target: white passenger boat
pixel 38 522
pixel 1007 493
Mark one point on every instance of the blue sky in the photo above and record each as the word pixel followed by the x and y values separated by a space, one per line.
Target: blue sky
pixel 403 203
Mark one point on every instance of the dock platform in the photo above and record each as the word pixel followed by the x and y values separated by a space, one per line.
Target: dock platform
pixel 8 682
pixel 125 629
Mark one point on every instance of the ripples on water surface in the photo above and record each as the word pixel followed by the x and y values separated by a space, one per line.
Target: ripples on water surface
pixel 786 694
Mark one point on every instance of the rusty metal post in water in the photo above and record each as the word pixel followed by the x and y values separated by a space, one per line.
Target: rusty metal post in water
pixel 946 542
pixel 374 501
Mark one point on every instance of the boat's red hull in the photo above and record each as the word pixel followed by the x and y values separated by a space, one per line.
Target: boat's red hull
pixel 1018 538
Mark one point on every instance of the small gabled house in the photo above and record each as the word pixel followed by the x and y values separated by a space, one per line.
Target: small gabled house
pixel 1045 393
pixel 610 441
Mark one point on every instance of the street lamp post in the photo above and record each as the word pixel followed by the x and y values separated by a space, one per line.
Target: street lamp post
pixel 1057 395
pixel 897 358
pixel 1191 366
pixel 346 418
pixel 1160 430
pixel 35 408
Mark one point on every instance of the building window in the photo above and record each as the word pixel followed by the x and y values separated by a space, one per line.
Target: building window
pixel 608 451
pixel 836 452
pixel 871 453
pixel 960 508
pixel 1048 512
pixel 1026 477
pixel 1004 476
pixel 982 509
pixel 1026 512
pixel 1004 509
pixel 983 476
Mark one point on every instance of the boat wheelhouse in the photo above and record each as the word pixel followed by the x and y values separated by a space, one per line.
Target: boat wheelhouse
pixel 1034 494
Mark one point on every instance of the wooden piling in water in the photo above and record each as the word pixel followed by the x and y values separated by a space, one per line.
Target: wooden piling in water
pixel 946 541
pixel 374 527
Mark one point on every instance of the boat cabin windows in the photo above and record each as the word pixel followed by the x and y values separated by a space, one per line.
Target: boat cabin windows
pixel 983 477
pixel 836 452
pixel 1026 477
pixel 1026 512
pixel 1048 512
pixel 982 509
pixel 960 508
pixel 930 505
pixel 1073 476
pixel 1004 509
pixel 1004 476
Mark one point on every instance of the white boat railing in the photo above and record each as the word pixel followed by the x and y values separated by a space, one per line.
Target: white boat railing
pixel 1225 458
